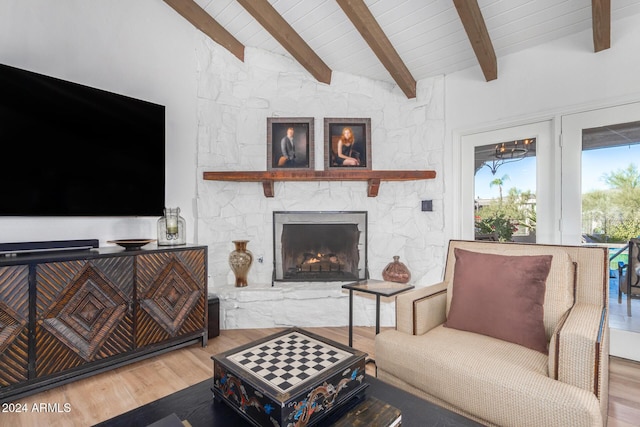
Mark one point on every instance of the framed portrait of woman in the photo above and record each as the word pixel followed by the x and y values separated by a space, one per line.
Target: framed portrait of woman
pixel 290 143
pixel 347 143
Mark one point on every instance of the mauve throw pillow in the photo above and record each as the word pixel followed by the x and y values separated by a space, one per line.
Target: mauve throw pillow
pixel 500 296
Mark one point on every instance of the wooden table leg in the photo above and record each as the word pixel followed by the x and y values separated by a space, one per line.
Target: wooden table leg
pixel 350 317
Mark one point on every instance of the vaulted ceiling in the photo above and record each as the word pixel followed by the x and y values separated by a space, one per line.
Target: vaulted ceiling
pixel 400 41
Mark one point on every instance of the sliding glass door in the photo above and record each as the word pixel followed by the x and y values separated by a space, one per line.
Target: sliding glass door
pixel 600 185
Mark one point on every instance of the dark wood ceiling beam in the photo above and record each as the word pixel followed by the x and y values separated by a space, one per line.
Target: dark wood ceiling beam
pixel 476 29
pixel 366 24
pixel 200 19
pixel 601 17
pixel 280 29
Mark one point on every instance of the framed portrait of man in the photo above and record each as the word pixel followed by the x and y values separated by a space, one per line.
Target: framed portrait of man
pixel 290 143
pixel 347 143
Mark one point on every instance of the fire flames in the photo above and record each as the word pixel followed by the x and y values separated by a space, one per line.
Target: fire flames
pixel 320 257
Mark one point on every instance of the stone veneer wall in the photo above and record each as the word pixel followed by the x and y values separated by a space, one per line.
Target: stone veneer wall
pixel 234 100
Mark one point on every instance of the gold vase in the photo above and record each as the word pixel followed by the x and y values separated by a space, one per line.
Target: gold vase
pixel 240 261
pixel 396 271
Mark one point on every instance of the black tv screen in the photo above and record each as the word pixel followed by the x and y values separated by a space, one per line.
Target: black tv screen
pixel 72 150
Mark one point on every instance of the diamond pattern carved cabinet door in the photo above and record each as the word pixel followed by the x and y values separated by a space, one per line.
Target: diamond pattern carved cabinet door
pixel 84 312
pixel 14 324
pixel 171 299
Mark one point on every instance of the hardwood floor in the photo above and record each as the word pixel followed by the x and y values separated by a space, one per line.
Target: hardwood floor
pixel 98 398
pixel 624 393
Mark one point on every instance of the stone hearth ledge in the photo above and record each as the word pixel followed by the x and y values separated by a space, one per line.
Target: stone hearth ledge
pixel 302 304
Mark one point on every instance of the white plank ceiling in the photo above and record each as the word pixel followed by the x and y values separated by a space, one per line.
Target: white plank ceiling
pixel 428 35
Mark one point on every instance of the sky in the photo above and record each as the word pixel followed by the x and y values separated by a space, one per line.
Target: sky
pixel 522 174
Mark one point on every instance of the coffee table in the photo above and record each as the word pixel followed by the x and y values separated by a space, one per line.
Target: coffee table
pixel 196 405
pixel 293 377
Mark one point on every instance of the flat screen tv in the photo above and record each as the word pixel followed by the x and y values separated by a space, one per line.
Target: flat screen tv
pixel 71 150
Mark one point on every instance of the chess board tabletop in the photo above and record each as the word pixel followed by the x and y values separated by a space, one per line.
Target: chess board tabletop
pixel 289 360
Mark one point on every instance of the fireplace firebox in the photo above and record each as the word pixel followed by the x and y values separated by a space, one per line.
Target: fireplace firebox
pixel 319 246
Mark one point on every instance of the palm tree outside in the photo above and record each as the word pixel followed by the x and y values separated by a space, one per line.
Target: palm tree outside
pixel 499 182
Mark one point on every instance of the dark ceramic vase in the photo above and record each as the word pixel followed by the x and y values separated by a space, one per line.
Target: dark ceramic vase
pixel 396 271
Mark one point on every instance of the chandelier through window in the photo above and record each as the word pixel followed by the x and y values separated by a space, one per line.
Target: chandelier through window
pixel 507 152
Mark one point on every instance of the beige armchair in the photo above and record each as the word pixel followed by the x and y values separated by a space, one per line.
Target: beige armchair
pixel 561 380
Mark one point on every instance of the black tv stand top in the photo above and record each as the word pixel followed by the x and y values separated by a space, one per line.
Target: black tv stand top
pixel 48 246
pixel 66 255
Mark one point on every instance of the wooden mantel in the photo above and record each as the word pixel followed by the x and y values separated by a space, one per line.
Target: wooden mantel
pixel 372 177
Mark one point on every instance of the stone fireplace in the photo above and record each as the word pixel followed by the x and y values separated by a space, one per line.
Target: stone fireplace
pixel 231 134
pixel 319 246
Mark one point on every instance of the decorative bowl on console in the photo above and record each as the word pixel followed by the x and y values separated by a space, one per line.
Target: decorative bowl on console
pixel 131 244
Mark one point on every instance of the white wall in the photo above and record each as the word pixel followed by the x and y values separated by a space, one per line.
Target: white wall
pixel 141 49
pixel 540 83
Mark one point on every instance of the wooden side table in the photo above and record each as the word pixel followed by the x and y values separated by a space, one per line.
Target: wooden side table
pixel 378 288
